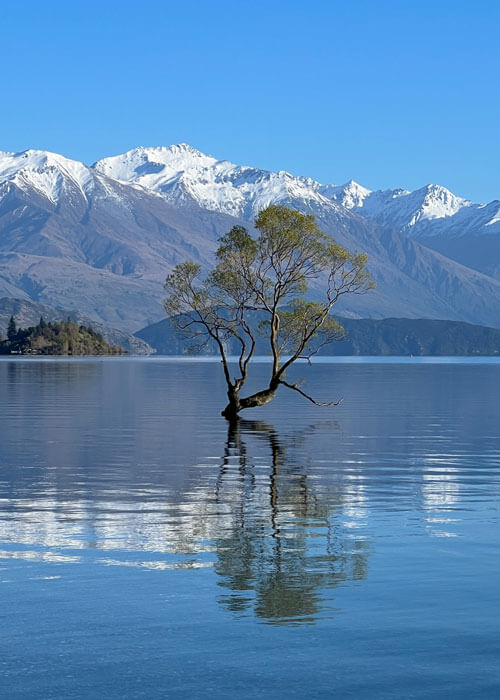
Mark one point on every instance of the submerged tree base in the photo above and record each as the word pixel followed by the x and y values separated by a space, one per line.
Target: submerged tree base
pixel 237 404
pixel 261 398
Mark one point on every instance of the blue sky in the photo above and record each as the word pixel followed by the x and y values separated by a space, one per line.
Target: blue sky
pixel 390 93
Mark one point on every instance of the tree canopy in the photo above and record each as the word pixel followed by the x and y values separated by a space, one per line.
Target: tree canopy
pixel 266 277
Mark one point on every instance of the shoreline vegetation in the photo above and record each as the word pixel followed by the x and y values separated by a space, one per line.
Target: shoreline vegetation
pixel 60 338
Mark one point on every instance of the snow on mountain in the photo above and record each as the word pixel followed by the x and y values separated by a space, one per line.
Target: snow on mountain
pixel 154 165
pixel 182 174
pixel 411 279
pixel 408 211
pixel 102 239
pixel 71 237
pixel 461 230
pixel 351 195
pixel 429 211
pixel 48 173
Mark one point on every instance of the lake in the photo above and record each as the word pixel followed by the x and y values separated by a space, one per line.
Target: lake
pixel 148 551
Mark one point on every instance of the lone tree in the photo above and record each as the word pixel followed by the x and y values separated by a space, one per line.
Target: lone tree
pixel 264 279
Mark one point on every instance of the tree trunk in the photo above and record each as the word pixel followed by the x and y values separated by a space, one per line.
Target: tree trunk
pixel 234 405
pixel 261 398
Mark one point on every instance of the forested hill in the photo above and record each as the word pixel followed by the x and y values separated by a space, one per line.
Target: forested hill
pixel 389 336
pixel 64 338
pixel 403 336
pixel 27 313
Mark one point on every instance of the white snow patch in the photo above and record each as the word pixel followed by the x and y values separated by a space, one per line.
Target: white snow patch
pixel 48 173
pixel 183 174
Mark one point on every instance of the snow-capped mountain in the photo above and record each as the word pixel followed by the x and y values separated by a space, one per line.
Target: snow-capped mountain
pixel 429 211
pixel 47 173
pixel 432 215
pixel 182 174
pixel 102 239
pixel 73 238
pixel 466 232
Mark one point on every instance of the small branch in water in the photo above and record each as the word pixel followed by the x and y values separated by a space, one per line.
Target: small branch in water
pixel 295 387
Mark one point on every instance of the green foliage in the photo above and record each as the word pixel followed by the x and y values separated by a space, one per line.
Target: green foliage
pixel 304 319
pixel 65 338
pixel 268 274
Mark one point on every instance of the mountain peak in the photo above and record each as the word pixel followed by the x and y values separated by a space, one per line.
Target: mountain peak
pixel 350 195
pixel 181 173
pixel 353 186
pixel 106 247
pixel 437 202
pixel 176 149
pixel 45 171
pixel 147 165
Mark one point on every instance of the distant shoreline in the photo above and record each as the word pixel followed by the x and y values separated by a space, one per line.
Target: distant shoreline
pixel 323 359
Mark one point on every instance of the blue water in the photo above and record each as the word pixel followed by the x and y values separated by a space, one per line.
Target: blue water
pixel 148 552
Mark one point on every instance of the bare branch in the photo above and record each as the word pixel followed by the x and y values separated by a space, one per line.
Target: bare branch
pixel 295 387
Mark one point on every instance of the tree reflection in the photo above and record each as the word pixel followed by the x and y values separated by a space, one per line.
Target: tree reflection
pixel 282 547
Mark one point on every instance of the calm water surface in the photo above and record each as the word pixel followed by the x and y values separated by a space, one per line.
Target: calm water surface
pixel 146 551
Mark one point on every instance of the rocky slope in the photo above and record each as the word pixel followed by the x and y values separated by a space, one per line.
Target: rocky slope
pixel 466 232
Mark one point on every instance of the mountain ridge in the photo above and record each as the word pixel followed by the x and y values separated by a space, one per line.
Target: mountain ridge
pixel 160 169
pixel 429 203
pixel 74 236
